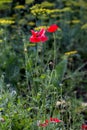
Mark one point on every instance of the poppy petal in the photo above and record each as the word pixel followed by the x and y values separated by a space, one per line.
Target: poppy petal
pixel 52 28
pixel 35 39
pixel 55 120
pixel 84 127
pixel 41 32
pixel 44 38
pixel 34 33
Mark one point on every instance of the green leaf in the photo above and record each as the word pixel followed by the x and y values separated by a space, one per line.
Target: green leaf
pixel 58 73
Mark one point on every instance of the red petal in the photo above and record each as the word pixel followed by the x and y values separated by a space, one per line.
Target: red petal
pixel 55 120
pixel 44 38
pixel 84 127
pixel 34 39
pixel 41 32
pixel 34 33
pixel 43 125
pixel 52 28
pixel 46 121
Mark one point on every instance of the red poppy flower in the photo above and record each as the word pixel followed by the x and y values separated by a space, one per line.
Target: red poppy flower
pixel 47 121
pixel 84 127
pixel 52 28
pixel 43 124
pixel 54 120
pixel 38 36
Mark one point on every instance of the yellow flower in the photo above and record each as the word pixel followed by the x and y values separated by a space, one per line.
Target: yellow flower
pixel 70 53
pixel 40 27
pixel 5 21
pixel 19 7
pixel 31 23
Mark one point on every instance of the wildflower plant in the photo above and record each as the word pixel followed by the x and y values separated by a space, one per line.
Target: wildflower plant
pixel 40 74
pixel 40 86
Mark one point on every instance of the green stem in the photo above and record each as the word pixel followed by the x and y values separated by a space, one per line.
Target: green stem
pixel 26 59
pixel 54 36
pixel 36 62
pixel 42 53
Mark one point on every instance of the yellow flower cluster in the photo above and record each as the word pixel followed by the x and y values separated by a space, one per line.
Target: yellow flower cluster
pixel 75 21
pixel 5 21
pixel 31 23
pixel 44 4
pixel 47 4
pixel 40 27
pixel 19 7
pixel 70 53
pixel 43 8
pixel 38 10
